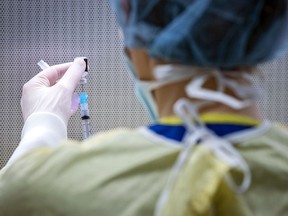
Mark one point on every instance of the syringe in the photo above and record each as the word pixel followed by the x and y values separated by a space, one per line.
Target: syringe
pixel 86 126
pixel 84 111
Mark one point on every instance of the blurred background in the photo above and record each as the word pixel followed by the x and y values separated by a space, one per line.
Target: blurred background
pixel 57 31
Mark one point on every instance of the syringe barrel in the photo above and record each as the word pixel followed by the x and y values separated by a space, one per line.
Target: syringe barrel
pixel 86 126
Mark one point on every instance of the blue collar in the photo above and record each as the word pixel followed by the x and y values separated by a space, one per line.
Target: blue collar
pixel 177 132
pixel 219 123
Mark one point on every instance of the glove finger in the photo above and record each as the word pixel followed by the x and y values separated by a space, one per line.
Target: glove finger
pixel 49 76
pixel 73 75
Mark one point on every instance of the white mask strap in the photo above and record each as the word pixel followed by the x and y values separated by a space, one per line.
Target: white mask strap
pixel 195 90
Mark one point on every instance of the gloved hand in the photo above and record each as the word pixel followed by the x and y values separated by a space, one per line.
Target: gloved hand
pixel 43 94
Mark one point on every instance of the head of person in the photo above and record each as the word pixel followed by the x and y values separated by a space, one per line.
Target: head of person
pixel 223 35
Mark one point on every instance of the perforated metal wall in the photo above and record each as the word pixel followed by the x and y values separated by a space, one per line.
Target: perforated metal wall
pixel 59 30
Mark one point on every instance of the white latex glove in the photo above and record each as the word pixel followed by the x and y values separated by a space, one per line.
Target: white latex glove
pixel 43 94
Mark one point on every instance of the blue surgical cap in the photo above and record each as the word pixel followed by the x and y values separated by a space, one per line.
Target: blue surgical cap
pixel 208 33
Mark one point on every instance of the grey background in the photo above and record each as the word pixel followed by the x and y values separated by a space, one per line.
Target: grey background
pixel 57 31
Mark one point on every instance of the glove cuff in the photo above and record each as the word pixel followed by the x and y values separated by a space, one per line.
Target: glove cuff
pixel 40 130
pixel 46 127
